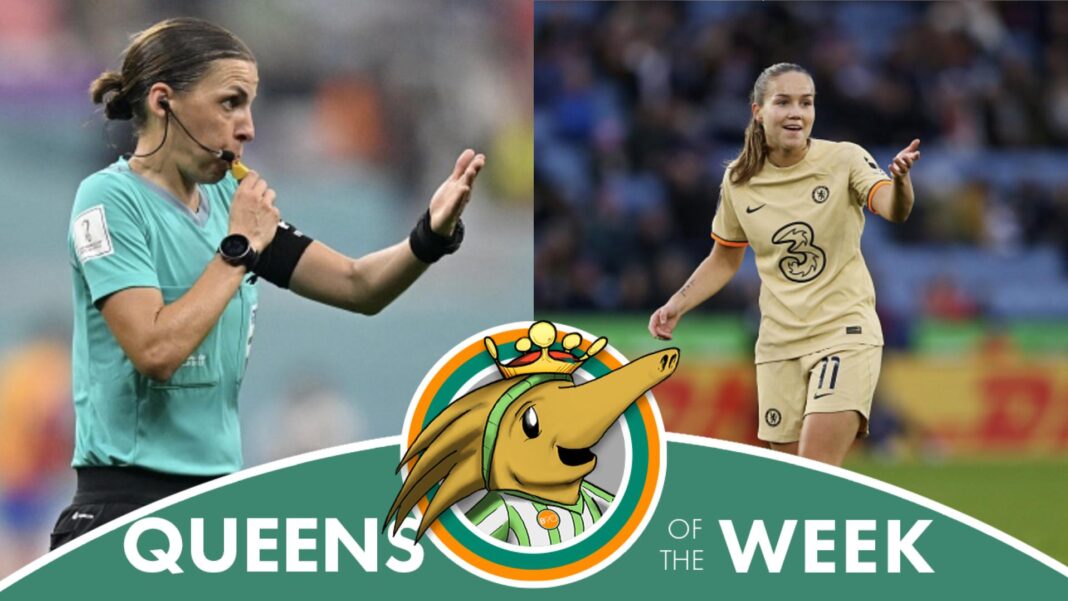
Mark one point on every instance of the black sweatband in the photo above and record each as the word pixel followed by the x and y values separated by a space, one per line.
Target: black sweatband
pixel 279 259
pixel 428 246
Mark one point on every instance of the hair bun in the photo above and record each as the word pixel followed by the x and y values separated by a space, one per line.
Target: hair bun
pixel 118 107
pixel 108 90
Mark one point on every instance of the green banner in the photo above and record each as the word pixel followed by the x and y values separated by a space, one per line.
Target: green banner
pixel 731 521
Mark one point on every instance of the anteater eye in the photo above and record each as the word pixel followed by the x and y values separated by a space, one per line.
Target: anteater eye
pixel 530 423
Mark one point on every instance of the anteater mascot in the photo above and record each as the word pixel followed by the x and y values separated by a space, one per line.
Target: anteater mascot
pixel 526 441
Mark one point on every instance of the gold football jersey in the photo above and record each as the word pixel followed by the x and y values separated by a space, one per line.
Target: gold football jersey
pixel 804 224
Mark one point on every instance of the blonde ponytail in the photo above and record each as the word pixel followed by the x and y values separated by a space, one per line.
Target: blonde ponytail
pixel 754 152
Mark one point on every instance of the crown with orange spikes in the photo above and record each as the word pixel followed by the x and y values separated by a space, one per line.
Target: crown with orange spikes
pixel 543 359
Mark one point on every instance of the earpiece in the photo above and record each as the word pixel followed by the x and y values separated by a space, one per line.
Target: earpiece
pixel 165 104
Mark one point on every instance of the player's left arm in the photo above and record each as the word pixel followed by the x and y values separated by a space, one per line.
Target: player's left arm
pixel 894 202
pixel 369 283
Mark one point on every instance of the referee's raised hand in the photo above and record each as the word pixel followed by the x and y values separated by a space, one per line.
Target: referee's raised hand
pixel 452 195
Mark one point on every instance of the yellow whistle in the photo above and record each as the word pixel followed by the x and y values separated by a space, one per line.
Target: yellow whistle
pixel 238 169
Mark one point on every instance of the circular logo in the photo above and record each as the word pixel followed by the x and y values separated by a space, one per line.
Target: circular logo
pixel 773 417
pixel 526 538
pixel 820 194
pixel 548 519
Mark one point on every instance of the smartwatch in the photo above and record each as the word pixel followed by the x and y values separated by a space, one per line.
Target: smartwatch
pixel 236 250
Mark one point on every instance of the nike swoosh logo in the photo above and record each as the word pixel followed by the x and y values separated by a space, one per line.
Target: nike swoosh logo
pixel 820 396
pixel 754 210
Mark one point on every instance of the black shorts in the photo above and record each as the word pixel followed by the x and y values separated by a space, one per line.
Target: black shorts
pixel 106 493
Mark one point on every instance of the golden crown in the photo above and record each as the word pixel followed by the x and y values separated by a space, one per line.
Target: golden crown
pixel 543 359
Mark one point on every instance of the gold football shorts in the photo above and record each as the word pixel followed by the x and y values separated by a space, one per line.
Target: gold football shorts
pixel 837 379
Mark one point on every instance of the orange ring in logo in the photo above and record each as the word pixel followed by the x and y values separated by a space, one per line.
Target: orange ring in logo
pixel 644 501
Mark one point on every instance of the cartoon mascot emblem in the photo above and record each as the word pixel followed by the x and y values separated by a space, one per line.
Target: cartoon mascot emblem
pixel 526 441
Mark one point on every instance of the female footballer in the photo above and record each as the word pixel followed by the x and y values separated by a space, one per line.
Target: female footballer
pixel 799 202
pixel 166 248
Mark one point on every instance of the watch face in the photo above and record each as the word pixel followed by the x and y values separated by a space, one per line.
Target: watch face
pixel 234 245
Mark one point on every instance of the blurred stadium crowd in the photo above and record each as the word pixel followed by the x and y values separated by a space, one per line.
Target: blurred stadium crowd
pixel 361 112
pixel 639 105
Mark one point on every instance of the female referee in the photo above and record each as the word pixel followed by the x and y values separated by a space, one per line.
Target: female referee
pixel 799 202
pixel 166 248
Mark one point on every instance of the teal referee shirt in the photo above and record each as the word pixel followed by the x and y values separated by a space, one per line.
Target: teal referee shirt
pixel 126 232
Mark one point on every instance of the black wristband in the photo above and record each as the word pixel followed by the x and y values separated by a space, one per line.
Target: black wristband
pixel 428 246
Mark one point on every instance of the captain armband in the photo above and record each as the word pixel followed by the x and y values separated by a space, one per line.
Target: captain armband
pixel 279 259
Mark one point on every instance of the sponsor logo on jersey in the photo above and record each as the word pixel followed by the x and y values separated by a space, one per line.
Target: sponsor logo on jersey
pixel 804 261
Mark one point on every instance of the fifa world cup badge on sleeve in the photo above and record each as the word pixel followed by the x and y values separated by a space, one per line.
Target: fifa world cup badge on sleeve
pixel 91 237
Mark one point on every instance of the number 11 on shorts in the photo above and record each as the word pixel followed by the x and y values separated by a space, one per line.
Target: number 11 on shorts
pixel 834 361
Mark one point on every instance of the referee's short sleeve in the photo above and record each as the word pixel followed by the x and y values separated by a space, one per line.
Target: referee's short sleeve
pixel 108 238
pixel 726 229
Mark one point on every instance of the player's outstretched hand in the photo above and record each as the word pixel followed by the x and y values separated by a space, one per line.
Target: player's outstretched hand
pixel 663 321
pixel 903 161
pixel 452 195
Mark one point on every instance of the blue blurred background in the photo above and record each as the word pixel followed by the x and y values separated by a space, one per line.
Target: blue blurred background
pixel 362 109
pixel 638 106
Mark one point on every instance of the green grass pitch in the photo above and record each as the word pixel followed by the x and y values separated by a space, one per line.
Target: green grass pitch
pixel 1024 498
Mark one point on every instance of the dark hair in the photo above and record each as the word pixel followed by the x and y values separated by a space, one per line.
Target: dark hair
pixel 755 150
pixel 177 52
